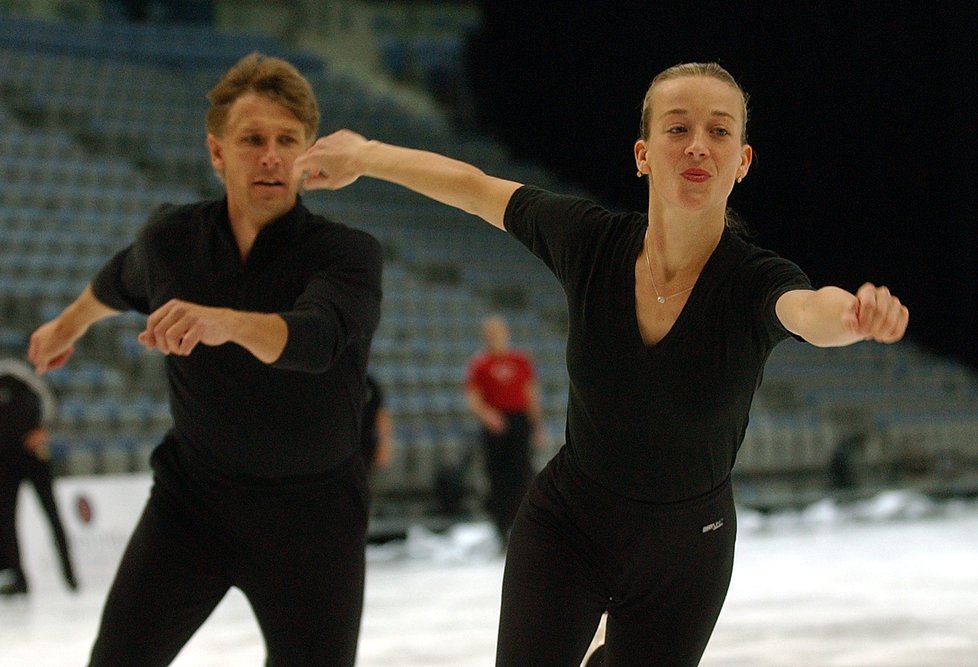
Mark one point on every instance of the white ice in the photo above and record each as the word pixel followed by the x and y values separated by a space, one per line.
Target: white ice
pixel 890 582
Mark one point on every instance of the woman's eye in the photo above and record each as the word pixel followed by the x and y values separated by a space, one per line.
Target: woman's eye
pixel 678 129
pixel 722 131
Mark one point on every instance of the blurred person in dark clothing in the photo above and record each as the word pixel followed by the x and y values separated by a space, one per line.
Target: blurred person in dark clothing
pixel 27 406
pixel 377 434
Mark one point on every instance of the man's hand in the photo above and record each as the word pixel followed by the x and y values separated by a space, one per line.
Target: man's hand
pixel 178 326
pixel 541 437
pixel 36 439
pixel 53 342
pixel 494 421
pixel 50 347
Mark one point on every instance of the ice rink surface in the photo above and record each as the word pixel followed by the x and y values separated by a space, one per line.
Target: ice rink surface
pixel 889 582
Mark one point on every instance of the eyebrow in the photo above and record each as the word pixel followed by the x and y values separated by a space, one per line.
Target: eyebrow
pixel 715 112
pixel 252 129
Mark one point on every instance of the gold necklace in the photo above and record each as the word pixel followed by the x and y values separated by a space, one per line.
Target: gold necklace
pixel 648 262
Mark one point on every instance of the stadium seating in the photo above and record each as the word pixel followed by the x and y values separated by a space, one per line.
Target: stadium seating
pixel 99 124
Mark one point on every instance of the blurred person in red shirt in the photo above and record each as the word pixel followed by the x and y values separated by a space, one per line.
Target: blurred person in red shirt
pixel 501 391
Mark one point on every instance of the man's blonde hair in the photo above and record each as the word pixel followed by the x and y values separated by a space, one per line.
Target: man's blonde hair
pixel 274 78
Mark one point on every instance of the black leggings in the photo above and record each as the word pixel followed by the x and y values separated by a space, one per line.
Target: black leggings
pixel 661 572
pixel 509 467
pixel 295 550
pixel 17 468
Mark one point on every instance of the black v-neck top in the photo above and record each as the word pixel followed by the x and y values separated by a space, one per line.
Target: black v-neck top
pixel 233 414
pixel 662 423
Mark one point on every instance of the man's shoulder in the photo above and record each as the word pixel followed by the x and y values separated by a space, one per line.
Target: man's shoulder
pixel 479 361
pixel 521 355
pixel 320 224
pixel 15 373
pixel 320 234
pixel 16 368
pixel 168 217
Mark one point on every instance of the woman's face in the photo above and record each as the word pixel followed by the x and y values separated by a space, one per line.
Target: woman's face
pixel 694 149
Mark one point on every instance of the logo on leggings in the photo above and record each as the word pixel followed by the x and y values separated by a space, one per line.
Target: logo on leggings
pixel 713 526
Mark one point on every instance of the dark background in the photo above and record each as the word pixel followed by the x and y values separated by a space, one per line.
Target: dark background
pixel 861 118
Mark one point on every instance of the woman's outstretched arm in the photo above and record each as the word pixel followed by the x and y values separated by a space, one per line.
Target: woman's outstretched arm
pixel 340 158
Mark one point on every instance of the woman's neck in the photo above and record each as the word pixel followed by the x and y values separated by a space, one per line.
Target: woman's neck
pixel 681 242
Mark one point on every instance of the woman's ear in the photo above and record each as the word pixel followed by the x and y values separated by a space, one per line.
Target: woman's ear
pixel 641 153
pixel 746 157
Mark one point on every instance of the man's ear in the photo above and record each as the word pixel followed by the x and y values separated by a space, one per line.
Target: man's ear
pixel 216 152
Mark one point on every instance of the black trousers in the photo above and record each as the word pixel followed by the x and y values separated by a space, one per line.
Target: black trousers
pixel 509 469
pixel 295 549
pixel 660 571
pixel 15 469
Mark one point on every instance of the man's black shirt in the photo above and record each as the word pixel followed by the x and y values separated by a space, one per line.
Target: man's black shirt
pixel 239 417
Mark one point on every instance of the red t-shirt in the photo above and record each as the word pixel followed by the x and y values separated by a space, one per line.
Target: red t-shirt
pixel 501 379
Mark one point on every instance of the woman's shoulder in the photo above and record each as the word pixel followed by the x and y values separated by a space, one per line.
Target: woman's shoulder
pixel 538 203
pixel 752 261
pixel 737 245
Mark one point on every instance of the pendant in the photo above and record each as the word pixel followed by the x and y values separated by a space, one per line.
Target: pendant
pixel 661 299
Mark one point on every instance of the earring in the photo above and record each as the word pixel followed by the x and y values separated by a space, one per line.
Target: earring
pixel 638 174
pixel 740 179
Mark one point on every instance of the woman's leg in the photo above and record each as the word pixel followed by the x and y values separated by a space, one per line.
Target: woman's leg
pixel 552 595
pixel 676 589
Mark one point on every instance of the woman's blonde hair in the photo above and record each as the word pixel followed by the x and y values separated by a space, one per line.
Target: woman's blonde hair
pixel 713 70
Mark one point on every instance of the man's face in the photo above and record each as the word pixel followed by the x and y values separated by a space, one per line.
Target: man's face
pixel 254 156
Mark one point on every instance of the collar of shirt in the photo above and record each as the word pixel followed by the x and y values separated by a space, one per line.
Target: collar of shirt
pixel 280 233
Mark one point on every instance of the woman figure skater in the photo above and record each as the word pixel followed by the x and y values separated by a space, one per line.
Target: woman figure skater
pixel 672 316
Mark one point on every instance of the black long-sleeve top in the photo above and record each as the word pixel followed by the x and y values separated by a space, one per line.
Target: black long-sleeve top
pixel 26 403
pixel 233 414
pixel 663 423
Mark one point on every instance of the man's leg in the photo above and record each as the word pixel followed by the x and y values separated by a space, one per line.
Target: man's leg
pixel 305 551
pixel 12 581
pixel 515 468
pixel 40 475
pixel 170 579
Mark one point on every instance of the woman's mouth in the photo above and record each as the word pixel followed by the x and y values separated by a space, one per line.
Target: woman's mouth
pixel 696 175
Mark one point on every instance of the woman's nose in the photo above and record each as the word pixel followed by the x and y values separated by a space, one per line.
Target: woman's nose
pixel 697 146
